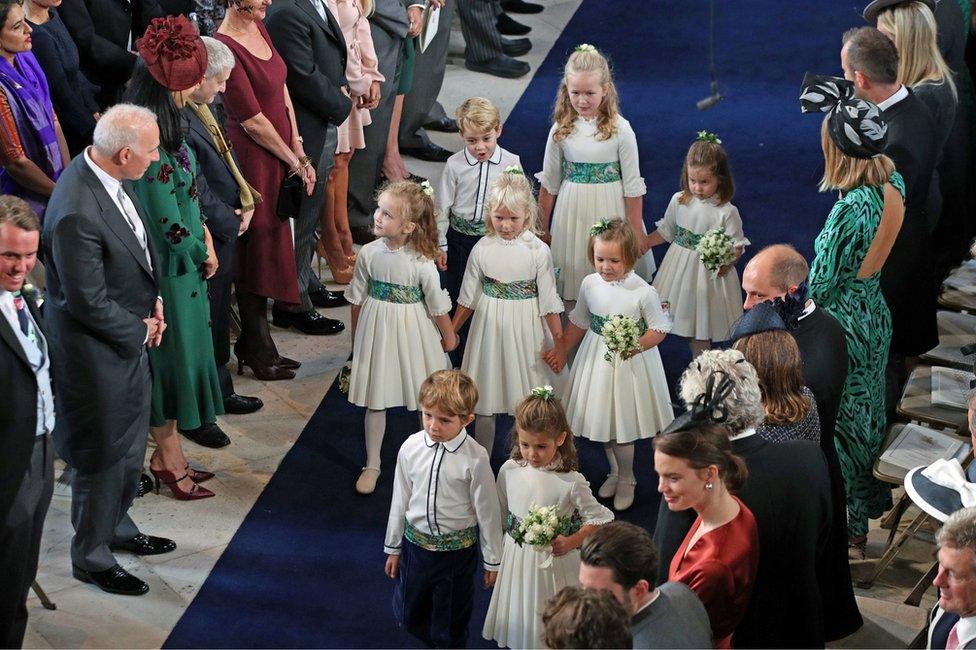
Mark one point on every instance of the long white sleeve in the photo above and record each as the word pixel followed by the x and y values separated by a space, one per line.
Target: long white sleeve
pixel 484 496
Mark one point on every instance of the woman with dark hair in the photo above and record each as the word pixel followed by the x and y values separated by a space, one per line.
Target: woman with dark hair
pixel 261 126
pixel 719 556
pixel 789 406
pixel 72 94
pixel 32 148
pixel 186 389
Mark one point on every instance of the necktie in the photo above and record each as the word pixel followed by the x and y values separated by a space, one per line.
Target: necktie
pixel 128 211
pixel 320 7
pixel 21 307
pixel 952 643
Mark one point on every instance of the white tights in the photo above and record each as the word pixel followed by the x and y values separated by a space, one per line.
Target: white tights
pixel 484 431
pixel 621 459
pixel 375 428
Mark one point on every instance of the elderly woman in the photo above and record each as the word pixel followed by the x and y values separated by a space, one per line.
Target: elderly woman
pixel 789 406
pixel 845 280
pixel 186 390
pixel 32 148
pixel 261 126
pixel 788 492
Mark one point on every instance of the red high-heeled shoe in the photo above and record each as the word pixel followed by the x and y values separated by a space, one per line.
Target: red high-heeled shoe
pixel 172 481
pixel 198 475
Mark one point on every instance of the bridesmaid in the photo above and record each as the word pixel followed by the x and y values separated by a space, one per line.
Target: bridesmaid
pixel 186 389
pixel 845 282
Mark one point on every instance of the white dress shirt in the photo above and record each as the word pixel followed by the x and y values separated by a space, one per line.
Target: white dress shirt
pixel 440 488
pixel 113 186
pixel 36 350
pixel 464 187
pixel 899 95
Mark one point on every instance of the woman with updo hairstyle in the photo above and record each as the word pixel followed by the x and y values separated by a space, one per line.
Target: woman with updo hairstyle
pixel 719 556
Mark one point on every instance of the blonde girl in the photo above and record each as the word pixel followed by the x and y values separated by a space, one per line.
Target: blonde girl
pixel 400 324
pixel 591 163
pixel 510 287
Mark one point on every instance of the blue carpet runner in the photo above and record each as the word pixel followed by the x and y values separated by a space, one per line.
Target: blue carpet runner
pixel 305 569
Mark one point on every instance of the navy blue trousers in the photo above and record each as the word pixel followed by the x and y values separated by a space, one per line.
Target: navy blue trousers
pixel 459 248
pixel 434 596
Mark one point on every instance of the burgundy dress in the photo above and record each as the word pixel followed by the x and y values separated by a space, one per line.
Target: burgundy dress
pixel 721 569
pixel 265 261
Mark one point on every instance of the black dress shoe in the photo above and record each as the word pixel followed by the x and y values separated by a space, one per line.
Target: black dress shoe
pixel 235 404
pixel 326 299
pixel 444 125
pixel 145 545
pixel 115 580
pixel 145 485
pixel 508 26
pixel 516 46
pixel 362 235
pixel 208 435
pixel 501 66
pixel 521 7
pixel 307 322
pixel 429 152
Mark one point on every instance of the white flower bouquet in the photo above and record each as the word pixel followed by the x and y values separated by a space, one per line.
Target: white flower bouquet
pixel 621 334
pixel 716 249
pixel 539 527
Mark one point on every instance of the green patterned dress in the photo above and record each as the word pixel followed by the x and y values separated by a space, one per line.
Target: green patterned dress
pixel 185 383
pixel 861 310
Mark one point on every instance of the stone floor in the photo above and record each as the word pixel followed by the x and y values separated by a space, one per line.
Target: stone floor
pixel 87 617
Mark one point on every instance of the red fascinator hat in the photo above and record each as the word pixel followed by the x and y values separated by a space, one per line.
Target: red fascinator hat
pixel 174 53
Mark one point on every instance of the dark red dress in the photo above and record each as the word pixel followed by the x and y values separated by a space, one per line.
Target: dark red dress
pixel 721 568
pixel 265 262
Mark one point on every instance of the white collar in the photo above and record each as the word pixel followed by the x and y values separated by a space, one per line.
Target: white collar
pixel 451 445
pixel 751 431
pixel 494 158
pixel 966 630
pixel 808 309
pixel 899 95
pixel 109 181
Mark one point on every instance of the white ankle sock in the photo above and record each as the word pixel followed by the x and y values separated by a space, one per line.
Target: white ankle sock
pixel 375 428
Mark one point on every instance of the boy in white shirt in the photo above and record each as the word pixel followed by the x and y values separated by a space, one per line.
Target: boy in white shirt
pixel 444 500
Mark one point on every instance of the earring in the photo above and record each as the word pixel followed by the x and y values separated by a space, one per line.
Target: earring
pixel 709 485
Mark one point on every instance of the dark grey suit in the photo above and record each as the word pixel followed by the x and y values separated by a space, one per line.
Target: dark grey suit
pixel 428 77
pixel 26 481
pixel 315 52
pixel 219 198
pixel 481 36
pixel 389 26
pixel 100 287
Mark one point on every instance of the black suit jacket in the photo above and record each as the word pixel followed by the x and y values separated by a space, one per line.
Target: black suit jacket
pixel 100 29
pixel 18 417
pixel 907 282
pixel 789 494
pixel 99 289
pixel 315 52
pixel 219 196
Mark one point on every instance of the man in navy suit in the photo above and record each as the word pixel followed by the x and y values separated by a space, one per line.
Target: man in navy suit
pixel 26 469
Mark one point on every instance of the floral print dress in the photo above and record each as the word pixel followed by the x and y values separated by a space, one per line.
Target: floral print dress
pixel 185 383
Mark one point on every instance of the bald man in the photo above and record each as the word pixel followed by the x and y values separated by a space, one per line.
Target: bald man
pixel 774 272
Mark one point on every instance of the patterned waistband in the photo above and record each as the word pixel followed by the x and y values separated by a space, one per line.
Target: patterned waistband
pixel 513 521
pixel 597 322
pixel 398 293
pixel 578 172
pixel 465 227
pixel 518 290
pixel 685 238
pixel 453 541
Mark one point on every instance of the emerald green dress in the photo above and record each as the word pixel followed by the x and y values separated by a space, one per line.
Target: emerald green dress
pixel 861 310
pixel 185 383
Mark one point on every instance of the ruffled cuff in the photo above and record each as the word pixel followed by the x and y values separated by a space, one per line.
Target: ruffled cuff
pixel 439 304
pixel 546 182
pixel 186 251
pixel 635 187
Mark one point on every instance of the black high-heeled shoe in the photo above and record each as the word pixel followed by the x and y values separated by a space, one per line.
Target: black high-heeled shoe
pixel 263 372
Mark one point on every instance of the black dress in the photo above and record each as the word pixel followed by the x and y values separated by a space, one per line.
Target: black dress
pixel 788 492
pixel 72 94
pixel 823 349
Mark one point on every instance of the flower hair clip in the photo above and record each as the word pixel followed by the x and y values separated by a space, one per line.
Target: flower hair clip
pixel 513 169
pixel 599 227
pixel 426 188
pixel 584 47
pixel 543 392
pixel 705 136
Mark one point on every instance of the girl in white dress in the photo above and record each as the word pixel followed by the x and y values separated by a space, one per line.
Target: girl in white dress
pixel 400 324
pixel 591 163
pixel 510 287
pixel 704 307
pixel 620 401
pixel 541 472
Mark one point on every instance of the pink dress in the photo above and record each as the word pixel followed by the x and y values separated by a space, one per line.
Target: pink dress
pixel 361 69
